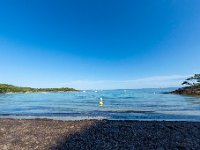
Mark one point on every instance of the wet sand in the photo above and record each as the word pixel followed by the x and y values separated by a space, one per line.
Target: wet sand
pixel 16 134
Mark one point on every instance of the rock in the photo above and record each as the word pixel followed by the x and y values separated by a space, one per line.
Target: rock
pixel 190 90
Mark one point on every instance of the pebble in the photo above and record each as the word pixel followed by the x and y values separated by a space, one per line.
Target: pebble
pixel 95 134
pixel 5 147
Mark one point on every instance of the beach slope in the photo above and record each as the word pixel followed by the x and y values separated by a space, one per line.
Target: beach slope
pixel 98 134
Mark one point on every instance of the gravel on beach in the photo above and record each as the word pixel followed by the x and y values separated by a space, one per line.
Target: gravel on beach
pixel 44 134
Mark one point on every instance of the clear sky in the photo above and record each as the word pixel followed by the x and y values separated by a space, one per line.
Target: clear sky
pixel 99 44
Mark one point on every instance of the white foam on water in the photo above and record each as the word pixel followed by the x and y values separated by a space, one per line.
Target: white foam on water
pixel 69 118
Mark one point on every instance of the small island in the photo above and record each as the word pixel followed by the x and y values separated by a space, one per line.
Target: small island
pixel 6 88
pixel 192 86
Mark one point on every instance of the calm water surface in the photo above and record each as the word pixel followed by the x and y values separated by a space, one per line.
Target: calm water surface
pixel 142 104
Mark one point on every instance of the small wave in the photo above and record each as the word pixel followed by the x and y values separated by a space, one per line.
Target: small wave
pixel 43 114
pixel 126 97
pixel 119 97
pixel 53 117
pixel 130 111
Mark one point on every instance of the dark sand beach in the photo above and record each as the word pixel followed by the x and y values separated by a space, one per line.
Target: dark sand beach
pixel 16 134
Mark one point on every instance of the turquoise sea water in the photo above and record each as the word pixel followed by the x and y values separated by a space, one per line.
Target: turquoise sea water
pixel 141 104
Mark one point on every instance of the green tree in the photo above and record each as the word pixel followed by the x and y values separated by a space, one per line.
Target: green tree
pixel 192 81
pixel 5 88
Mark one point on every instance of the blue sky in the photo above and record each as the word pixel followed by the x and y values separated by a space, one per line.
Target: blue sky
pixel 102 44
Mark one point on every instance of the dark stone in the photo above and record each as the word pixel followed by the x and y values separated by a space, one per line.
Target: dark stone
pixel 189 90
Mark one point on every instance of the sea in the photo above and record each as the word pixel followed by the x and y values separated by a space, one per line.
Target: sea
pixel 122 104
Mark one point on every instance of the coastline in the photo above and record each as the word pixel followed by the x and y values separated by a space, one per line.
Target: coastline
pixel 187 91
pixel 39 92
pixel 98 134
pixel 7 88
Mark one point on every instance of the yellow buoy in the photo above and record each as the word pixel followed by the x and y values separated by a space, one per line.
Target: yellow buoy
pixel 101 102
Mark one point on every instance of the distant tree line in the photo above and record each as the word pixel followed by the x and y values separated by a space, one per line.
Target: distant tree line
pixel 192 81
pixel 6 88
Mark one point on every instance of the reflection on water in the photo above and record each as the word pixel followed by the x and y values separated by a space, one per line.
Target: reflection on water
pixel 143 104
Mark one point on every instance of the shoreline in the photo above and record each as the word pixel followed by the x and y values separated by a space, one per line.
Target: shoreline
pixel 98 134
pixel 91 118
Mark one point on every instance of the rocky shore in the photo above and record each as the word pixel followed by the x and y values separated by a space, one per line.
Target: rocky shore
pixel 43 134
pixel 190 90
